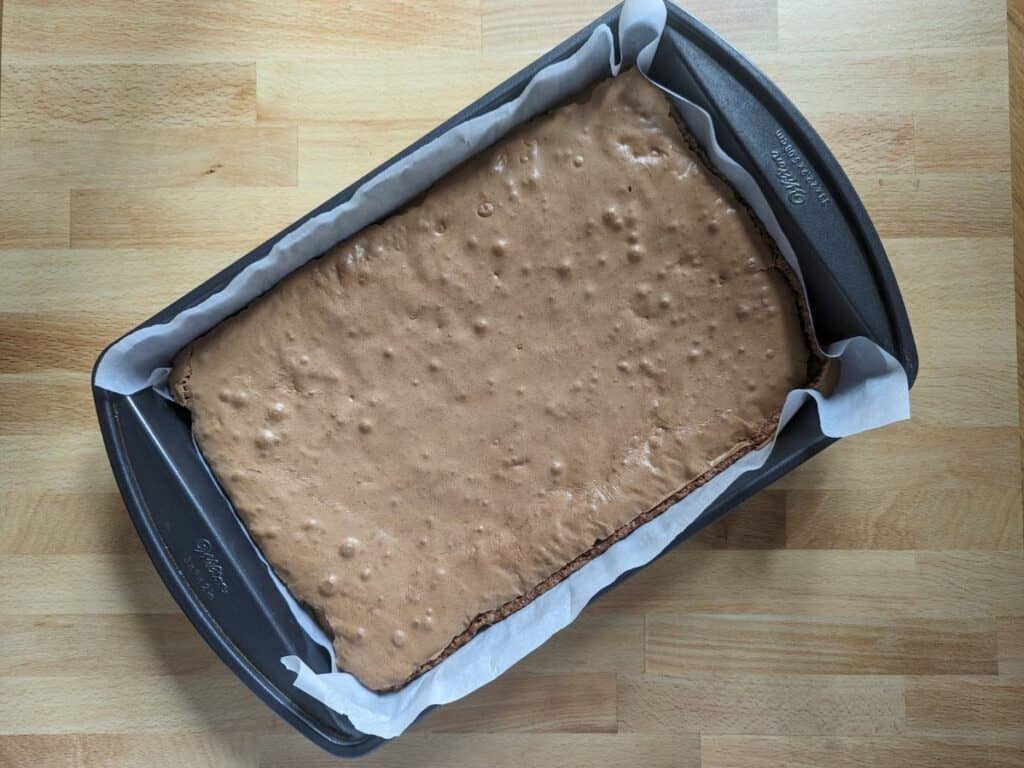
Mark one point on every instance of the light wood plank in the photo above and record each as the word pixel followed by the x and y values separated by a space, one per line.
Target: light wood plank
pixel 521 702
pixel 917 519
pixel 780 704
pixel 592 643
pixel 914 455
pixel 33 219
pixel 969 705
pixel 40 286
pixel 1010 640
pixel 534 25
pixel 235 156
pixel 1015 36
pixel 825 583
pixel 155 750
pixel 345 89
pixel 689 580
pixel 337 154
pixel 56 341
pixel 95 95
pixel 855 752
pixel 45 403
pixel 192 217
pixel 968 141
pixel 869 142
pixel 43 585
pixel 958 293
pixel 500 750
pixel 682 645
pixel 992 578
pixel 77 463
pixel 83 644
pixel 953 392
pixel 937 204
pixel 890 80
pixel 883 25
pixel 134 704
pixel 198 31
pixel 39 522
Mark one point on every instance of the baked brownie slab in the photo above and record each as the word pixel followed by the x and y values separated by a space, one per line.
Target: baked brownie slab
pixel 453 409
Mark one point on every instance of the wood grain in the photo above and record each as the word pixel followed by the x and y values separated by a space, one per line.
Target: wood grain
pixel 1010 639
pixel 965 705
pixel 907 519
pixel 44 585
pixel 430 89
pixel 34 219
pixel 955 140
pixel 146 644
pixel 707 702
pixel 578 702
pixel 46 522
pixel 134 704
pixel 76 289
pixel 890 80
pixel 851 583
pixel 247 30
pixel 192 217
pixel 920 456
pixel 964 341
pixel 203 750
pixel 57 95
pixel 856 752
pixel 913 206
pixel 678 645
pixel 867 610
pixel 505 750
pixel 535 25
pixel 34 341
pixel 160 157
pixel 894 24
pixel 335 155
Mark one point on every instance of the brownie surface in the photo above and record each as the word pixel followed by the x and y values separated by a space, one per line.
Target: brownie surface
pixel 453 409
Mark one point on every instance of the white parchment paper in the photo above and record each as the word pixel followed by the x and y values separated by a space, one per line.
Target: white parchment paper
pixel 872 389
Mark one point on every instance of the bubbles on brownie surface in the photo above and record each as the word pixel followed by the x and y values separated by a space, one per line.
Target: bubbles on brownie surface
pixel 235 397
pixel 348 547
pixel 267 438
pixel 612 219
pixel 328 585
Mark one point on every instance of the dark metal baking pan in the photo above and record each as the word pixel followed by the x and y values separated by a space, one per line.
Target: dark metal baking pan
pixel 197 543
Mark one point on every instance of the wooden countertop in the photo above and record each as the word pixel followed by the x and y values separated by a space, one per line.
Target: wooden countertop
pixel 866 610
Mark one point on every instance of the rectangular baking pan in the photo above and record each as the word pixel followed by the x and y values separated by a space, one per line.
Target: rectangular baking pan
pixel 196 541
